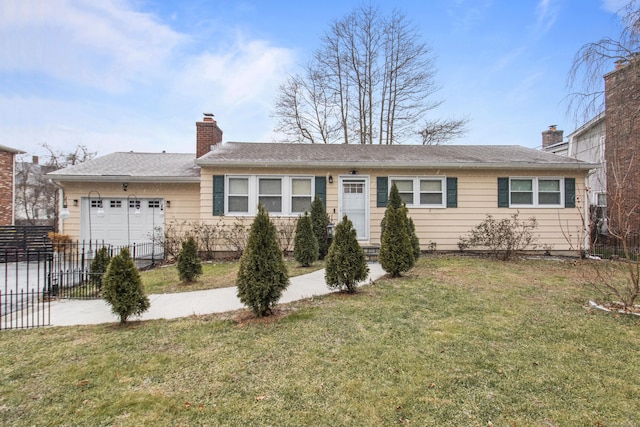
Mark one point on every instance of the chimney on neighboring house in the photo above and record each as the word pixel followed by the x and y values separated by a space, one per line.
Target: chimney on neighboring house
pixel 35 160
pixel 208 134
pixel 551 136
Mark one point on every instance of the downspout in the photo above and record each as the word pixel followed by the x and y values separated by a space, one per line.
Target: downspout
pixel 13 191
pixel 59 222
pixel 587 210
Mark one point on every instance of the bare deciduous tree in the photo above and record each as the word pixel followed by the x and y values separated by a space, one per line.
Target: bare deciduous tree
pixel 594 89
pixel 594 60
pixel 370 82
pixel 36 197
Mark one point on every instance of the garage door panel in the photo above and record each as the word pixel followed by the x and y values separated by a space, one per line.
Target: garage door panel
pixel 120 224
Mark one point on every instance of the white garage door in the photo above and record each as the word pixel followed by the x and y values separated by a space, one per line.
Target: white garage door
pixel 121 221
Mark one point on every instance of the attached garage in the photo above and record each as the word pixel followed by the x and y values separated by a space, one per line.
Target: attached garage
pixel 122 220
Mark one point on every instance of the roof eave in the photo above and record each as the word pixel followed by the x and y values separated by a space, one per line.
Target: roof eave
pixel 120 178
pixel 403 165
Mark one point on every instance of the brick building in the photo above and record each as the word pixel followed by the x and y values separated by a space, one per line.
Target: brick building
pixel 622 152
pixel 7 183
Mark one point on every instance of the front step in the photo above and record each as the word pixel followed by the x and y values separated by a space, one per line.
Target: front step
pixel 371 252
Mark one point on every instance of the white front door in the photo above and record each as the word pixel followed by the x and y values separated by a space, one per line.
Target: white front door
pixel 354 203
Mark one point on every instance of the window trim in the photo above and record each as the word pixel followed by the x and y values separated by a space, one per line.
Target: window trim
pixel 311 180
pixel 253 188
pixel 228 194
pixel 535 189
pixel 416 190
pixel 281 195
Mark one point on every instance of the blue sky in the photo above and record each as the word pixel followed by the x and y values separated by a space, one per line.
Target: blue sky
pixel 122 75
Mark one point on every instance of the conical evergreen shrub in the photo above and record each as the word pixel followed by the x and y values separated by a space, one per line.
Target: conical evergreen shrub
pixel 99 266
pixel 189 264
pixel 122 287
pixel 397 248
pixel 346 264
pixel 305 246
pixel 262 275
pixel 415 241
pixel 320 220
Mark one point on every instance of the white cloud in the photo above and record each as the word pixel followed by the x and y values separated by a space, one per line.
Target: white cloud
pixel 101 44
pixel 547 14
pixel 109 77
pixel 239 74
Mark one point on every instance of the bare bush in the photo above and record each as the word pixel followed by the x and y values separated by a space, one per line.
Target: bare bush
pixel 503 238
pixel 618 281
pixel 207 237
pixel 286 228
pixel 235 236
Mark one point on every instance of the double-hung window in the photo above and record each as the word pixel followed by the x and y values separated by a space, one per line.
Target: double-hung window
pixel 238 196
pixel 427 192
pixel 536 192
pixel 405 188
pixel 431 192
pixel 301 189
pixel 279 194
pixel 270 194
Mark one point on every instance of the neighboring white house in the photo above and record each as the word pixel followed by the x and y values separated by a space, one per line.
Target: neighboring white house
pixel 587 144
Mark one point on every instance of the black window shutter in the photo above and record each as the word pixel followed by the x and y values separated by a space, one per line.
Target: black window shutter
pixel 321 189
pixel 382 194
pixel 569 192
pixel 503 192
pixel 452 192
pixel 218 195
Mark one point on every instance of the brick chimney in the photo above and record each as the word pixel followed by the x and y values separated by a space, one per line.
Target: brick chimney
pixel 208 134
pixel 551 136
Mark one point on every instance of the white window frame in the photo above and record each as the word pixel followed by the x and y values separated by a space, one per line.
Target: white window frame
pixel 535 188
pixel 253 185
pixel 416 190
pixel 281 195
pixel 228 194
pixel 291 195
pixel 597 199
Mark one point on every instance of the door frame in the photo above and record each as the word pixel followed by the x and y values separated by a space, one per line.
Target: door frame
pixel 367 201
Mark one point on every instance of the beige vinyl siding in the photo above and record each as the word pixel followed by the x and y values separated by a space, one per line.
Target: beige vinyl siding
pixel 477 197
pixel 183 198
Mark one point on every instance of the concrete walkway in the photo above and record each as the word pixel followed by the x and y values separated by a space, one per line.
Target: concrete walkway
pixel 170 306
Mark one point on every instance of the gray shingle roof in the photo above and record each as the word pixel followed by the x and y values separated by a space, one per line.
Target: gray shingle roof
pixel 178 167
pixel 159 167
pixel 385 156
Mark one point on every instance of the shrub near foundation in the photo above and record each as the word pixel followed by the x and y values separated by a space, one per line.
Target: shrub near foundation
pixel 262 275
pixel 189 264
pixel 305 249
pixel 346 264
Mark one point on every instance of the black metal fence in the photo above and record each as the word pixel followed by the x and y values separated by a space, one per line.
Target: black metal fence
pixel 31 278
pixel 608 247
pixel 23 302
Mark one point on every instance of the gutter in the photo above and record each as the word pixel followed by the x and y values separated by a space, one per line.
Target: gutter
pixel 120 178
pixel 387 165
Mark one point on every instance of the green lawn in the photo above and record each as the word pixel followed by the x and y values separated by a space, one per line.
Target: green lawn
pixel 457 342
pixel 215 275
